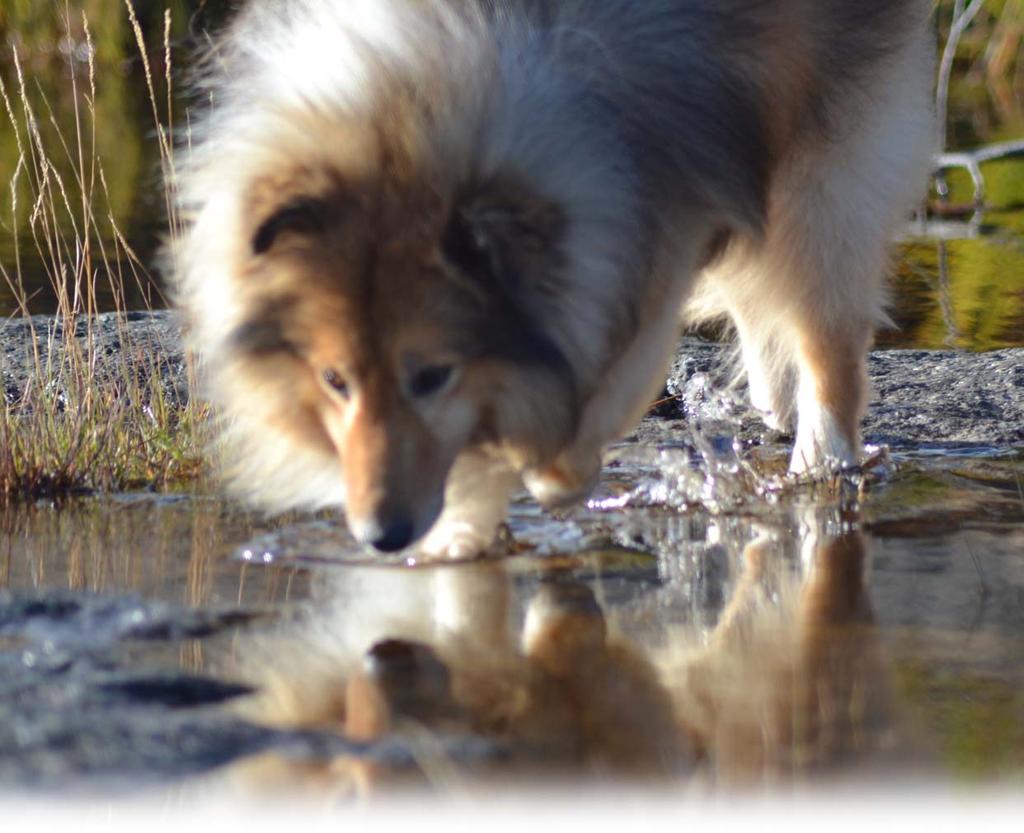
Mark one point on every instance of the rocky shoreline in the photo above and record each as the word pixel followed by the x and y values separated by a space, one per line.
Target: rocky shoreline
pixel 942 398
pixel 138 346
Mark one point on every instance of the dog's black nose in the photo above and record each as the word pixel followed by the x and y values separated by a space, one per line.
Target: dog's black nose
pixel 396 536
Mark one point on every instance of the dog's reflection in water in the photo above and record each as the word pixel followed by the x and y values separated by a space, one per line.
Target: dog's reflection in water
pixel 790 682
pixel 793 681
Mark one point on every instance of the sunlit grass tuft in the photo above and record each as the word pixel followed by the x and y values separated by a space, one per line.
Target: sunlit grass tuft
pixel 90 438
pixel 85 410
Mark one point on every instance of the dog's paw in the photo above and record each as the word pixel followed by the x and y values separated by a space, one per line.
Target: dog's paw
pixel 564 482
pixel 820 445
pixel 457 542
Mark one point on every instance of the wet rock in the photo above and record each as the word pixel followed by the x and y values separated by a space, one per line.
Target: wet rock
pixel 933 397
pixel 173 691
pixel 944 397
pixel 90 749
pixel 938 398
pixel 64 618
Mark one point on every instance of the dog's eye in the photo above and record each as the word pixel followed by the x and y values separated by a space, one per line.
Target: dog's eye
pixel 430 379
pixel 336 382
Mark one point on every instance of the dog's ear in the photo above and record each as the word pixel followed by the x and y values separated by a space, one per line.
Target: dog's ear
pixel 302 215
pixel 296 200
pixel 502 234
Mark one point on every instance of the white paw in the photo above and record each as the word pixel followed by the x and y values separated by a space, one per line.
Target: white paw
pixel 760 393
pixel 820 444
pixel 563 483
pixel 771 407
pixel 457 541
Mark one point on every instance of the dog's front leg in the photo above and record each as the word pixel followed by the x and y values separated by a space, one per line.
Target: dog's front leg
pixel 475 505
pixel 623 394
pixel 622 398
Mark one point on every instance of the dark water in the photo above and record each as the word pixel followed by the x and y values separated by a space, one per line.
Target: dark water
pixel 958 278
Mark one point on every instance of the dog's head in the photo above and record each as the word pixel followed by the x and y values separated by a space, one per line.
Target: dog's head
pixel 390 319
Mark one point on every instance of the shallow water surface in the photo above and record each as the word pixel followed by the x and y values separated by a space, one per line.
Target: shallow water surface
pixel 862 630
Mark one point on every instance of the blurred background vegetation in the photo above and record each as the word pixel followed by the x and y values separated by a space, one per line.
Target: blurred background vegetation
pixel 967 288
pixel 987 85
pixel 50 43
pixel 77 65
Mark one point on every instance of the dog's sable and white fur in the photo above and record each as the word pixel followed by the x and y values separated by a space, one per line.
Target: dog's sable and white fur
pixel 440 248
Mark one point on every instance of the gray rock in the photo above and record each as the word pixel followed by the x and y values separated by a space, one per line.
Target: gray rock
pixel 936 398
pixel 63 619
pixel 943 397
pixel 130 352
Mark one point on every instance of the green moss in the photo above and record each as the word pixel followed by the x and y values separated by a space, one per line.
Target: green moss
pixel 977 721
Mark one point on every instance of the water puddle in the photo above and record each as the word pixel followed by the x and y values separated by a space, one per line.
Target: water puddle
pixel 668 631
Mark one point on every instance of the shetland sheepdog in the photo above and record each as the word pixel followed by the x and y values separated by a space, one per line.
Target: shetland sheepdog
pixel 440 249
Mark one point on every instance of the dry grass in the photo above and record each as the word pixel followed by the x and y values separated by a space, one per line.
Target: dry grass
pixel 79 419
